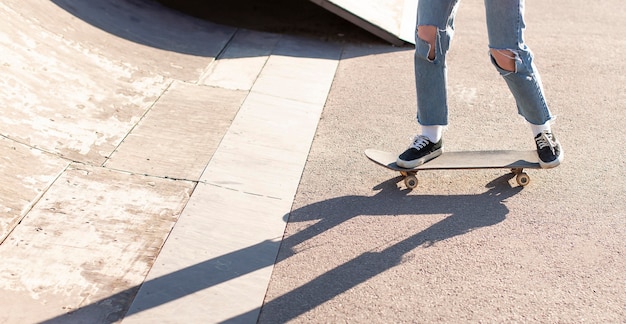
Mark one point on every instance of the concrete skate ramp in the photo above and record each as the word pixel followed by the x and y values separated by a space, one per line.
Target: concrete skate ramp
pixel 111 113
pixel 391 20
pixel 83 84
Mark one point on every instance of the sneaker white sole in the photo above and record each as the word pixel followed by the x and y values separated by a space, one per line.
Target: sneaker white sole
pixel 415 163
pixel 553 164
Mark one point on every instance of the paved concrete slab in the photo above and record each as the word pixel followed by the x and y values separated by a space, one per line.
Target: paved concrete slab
pixel 238 211
pixel 93 234
pixel 185 113
pixel 242 61
pixel 23 184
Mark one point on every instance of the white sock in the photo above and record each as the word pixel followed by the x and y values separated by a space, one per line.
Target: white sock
pixel 537 129
pixel 434 132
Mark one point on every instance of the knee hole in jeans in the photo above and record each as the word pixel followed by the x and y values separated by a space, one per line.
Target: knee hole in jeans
pixel 504 59
pixel 428 34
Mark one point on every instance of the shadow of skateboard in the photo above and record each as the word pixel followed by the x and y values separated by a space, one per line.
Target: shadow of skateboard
pixel 516 161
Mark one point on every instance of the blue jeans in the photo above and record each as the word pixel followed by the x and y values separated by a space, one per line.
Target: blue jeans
pixel 505 24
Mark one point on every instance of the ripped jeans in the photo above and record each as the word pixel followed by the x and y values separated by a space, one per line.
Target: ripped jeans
pixel 505 23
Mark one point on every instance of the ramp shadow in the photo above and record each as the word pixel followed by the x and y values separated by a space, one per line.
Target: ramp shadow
pixel 195 27
pixel 291 17
pixel 149 23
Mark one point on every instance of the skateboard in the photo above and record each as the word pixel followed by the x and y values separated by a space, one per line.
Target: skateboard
pixel 516 161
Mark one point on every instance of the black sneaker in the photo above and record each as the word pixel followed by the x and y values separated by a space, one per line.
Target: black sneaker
pixel 549 150
pixel 421 151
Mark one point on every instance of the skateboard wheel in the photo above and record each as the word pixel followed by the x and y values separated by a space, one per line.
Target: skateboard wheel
pixel 522 179
pixel 411 181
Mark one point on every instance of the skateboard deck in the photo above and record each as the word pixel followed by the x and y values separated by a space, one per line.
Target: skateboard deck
pixel 517 161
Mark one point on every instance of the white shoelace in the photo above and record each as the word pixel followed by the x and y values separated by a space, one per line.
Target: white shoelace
pixel 419 142
pixel 545 140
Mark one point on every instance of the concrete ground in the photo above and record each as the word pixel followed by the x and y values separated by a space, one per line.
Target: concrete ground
pixel 161 168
